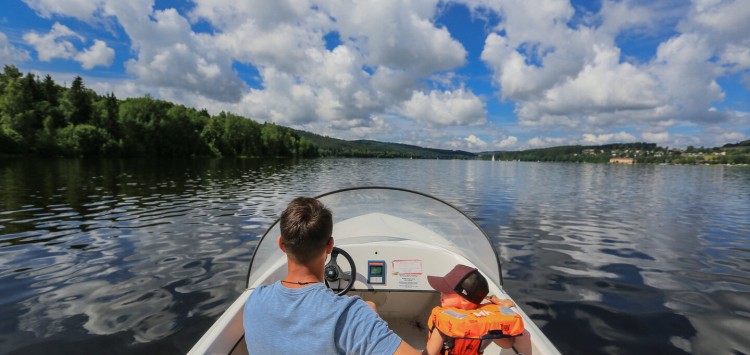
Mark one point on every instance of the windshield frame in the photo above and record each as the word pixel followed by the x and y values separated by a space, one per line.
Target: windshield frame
pixel 490 273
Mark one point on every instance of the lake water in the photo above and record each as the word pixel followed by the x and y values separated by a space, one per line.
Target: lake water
pixel 142 256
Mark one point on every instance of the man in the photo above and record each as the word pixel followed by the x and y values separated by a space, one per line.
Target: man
pixel 300 314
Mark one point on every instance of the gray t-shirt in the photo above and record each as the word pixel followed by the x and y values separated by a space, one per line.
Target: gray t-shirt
pixel 313 320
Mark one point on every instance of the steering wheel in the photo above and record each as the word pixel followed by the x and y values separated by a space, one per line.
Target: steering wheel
pixel 334 273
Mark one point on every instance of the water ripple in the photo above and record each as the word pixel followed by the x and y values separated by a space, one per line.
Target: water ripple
pixel 139 254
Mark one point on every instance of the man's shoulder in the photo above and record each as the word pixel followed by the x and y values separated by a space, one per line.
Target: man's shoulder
pixel 319 292
pixel 263 289
pixel 266 288
pixel 318 296
pixel 262 293
pixel 325 299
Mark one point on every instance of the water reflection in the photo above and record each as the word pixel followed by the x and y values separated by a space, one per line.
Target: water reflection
pixel 126 248
pixel 648 221
pixel 144 255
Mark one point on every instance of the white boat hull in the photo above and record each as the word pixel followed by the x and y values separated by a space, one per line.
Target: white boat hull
pixel 410 252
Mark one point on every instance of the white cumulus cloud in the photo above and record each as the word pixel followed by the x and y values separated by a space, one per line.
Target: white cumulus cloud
pixel 397 34
pixel 54 44
pixel 445 108
pixel 731 137
pixel 508 142
pixel 96 55
pixel 57 44
pixel 576 76
pixel 81 9
pixel 230 14
pixel 656 137
pixel 303 81
pixel 604 138
pixel 10 53
pixel 474 142
pixel 542 142
pixel 171 55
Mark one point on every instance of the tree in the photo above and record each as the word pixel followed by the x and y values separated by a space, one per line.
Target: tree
pixel 106 112
pixel 20 96
pixel 41 117
pixel 274 140
pixel 76 104
pixel 139 120
pixel 17 96
pixel 51 91
pixel 307 149
pixel 242 135
pixel 212 135
pixel 10 73
pixel 85 140
pixel 178 133
pixel 46 141
pixel 10 141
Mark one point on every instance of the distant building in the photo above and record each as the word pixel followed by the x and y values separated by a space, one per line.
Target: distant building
pixel 622 160
pixel 589 151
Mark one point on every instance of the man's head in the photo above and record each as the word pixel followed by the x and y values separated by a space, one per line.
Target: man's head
pixel 306 228
pixel 465 282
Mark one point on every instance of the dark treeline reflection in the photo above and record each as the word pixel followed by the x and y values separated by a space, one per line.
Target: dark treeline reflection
pixel 83 188
pixel 126 254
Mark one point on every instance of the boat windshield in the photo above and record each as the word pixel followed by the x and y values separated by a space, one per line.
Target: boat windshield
pixel 440 224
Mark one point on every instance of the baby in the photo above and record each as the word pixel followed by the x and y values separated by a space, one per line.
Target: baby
pixel 461 321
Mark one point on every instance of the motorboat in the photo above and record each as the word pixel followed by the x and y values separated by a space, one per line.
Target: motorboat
pixel 388 240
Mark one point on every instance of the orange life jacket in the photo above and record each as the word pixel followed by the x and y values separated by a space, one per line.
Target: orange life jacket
pixel 466 329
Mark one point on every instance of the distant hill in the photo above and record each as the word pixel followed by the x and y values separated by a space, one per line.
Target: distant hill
pixel 643 153
pixel 740 144
pixel 574 153
pixel 333 147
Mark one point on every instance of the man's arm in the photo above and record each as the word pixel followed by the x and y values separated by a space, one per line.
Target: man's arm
pixel 405 349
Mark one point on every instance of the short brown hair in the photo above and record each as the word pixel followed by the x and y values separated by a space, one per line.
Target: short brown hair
pixel 306 227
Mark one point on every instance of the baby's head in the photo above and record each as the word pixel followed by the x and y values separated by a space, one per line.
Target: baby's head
pixel 463 287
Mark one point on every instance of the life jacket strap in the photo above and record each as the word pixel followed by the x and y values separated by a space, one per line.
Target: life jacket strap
pixel 496 334
pixel 449 343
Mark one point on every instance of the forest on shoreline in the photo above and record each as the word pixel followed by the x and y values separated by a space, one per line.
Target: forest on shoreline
pixel 641 153
pixel 39 117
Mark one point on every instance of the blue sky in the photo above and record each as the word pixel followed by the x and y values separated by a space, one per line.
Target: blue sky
pixel 474 75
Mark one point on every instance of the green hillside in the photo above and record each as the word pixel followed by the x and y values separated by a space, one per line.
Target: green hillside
pixel 332 147
pixel 576 153
pixel 738 145
pixel 642 153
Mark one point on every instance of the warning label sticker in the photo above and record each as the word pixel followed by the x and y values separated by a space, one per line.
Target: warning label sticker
pixel 408 281
pixel 407 267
